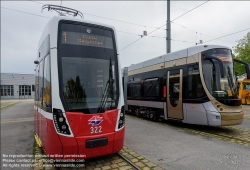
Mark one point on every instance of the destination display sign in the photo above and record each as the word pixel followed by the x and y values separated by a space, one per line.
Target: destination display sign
pixel 77 38
pixel 225 58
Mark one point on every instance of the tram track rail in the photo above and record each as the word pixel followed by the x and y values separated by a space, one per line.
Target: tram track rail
pixel 128 161
pixel 121 156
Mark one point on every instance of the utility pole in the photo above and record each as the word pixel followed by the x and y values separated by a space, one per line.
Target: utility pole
pixel 168 31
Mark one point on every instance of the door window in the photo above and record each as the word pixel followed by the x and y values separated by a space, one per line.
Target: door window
pixel 174 89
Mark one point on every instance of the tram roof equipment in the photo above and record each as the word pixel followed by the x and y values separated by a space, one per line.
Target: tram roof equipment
pixel 61 9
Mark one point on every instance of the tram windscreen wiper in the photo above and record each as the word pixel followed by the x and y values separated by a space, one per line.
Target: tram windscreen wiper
pixel 108 91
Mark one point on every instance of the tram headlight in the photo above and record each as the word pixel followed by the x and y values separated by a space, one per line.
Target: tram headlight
pixel 60 119
pixel 60 123
pixel 122 118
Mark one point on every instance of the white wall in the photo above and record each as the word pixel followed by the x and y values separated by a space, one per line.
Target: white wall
pixel 16 80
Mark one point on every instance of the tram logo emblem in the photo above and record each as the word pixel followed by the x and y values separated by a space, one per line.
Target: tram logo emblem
pixel 95 120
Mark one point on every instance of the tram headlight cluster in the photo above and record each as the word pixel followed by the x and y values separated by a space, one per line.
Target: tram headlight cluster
pixel 122 118
pixel 60 123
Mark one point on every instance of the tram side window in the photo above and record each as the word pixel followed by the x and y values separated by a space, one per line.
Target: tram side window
pixel 151 88
pixel 195 88
pixel 40 94
pixel 47 85
pixel 134 90
pixel 129 90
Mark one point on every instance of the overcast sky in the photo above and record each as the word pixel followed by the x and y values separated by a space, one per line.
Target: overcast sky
pixel 21 32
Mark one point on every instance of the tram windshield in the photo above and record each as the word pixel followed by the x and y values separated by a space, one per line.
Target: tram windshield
pixel 219 87
pixel 89 68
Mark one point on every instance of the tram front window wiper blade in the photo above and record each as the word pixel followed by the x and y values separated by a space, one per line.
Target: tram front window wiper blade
pixel 108 91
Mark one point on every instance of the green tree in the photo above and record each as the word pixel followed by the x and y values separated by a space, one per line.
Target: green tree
pixel 242 52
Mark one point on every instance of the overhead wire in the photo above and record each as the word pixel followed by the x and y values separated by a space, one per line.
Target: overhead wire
pixel 173 39
pixel 147 26
pixel 180 16
pixel 37 2
pixel 25 12
pixel 49 17
pixel 129 33
pixel 152 26
pixel 189 11
pixel 228 35
pixel 126 22
pixel 164 25
pixel 155 37
pixel 199 32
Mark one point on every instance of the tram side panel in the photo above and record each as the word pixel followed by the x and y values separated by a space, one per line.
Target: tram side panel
pixel 195 96
pixel 193 111
pixel 145 93
pixel 35 102
pixel 193 103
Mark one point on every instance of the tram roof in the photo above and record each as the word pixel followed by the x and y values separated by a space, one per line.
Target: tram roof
pixel 174 55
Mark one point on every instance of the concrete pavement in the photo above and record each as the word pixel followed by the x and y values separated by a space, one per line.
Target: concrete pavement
pixel 176 149
pixel 17 124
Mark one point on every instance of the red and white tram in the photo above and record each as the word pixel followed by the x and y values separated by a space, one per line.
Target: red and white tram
pixel 79 104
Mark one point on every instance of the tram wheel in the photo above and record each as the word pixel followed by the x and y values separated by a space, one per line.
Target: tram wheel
pixel 153 116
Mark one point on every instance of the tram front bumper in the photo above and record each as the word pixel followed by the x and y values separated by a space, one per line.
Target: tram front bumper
pixel 228 119
pixel 108 143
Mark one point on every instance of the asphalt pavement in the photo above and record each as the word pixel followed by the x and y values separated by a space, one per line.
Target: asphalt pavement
pixel 17 124
pixel 176 149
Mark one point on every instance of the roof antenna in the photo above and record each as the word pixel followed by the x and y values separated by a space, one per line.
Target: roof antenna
pixel 60 9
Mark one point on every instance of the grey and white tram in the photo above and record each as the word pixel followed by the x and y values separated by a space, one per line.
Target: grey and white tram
pixel 186 85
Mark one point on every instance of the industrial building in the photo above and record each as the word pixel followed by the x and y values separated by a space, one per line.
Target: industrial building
pixel 17 86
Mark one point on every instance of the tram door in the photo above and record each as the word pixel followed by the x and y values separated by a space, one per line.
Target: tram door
pixel 174 94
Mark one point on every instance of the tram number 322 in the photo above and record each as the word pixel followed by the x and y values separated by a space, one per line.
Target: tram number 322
pixel 95 129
